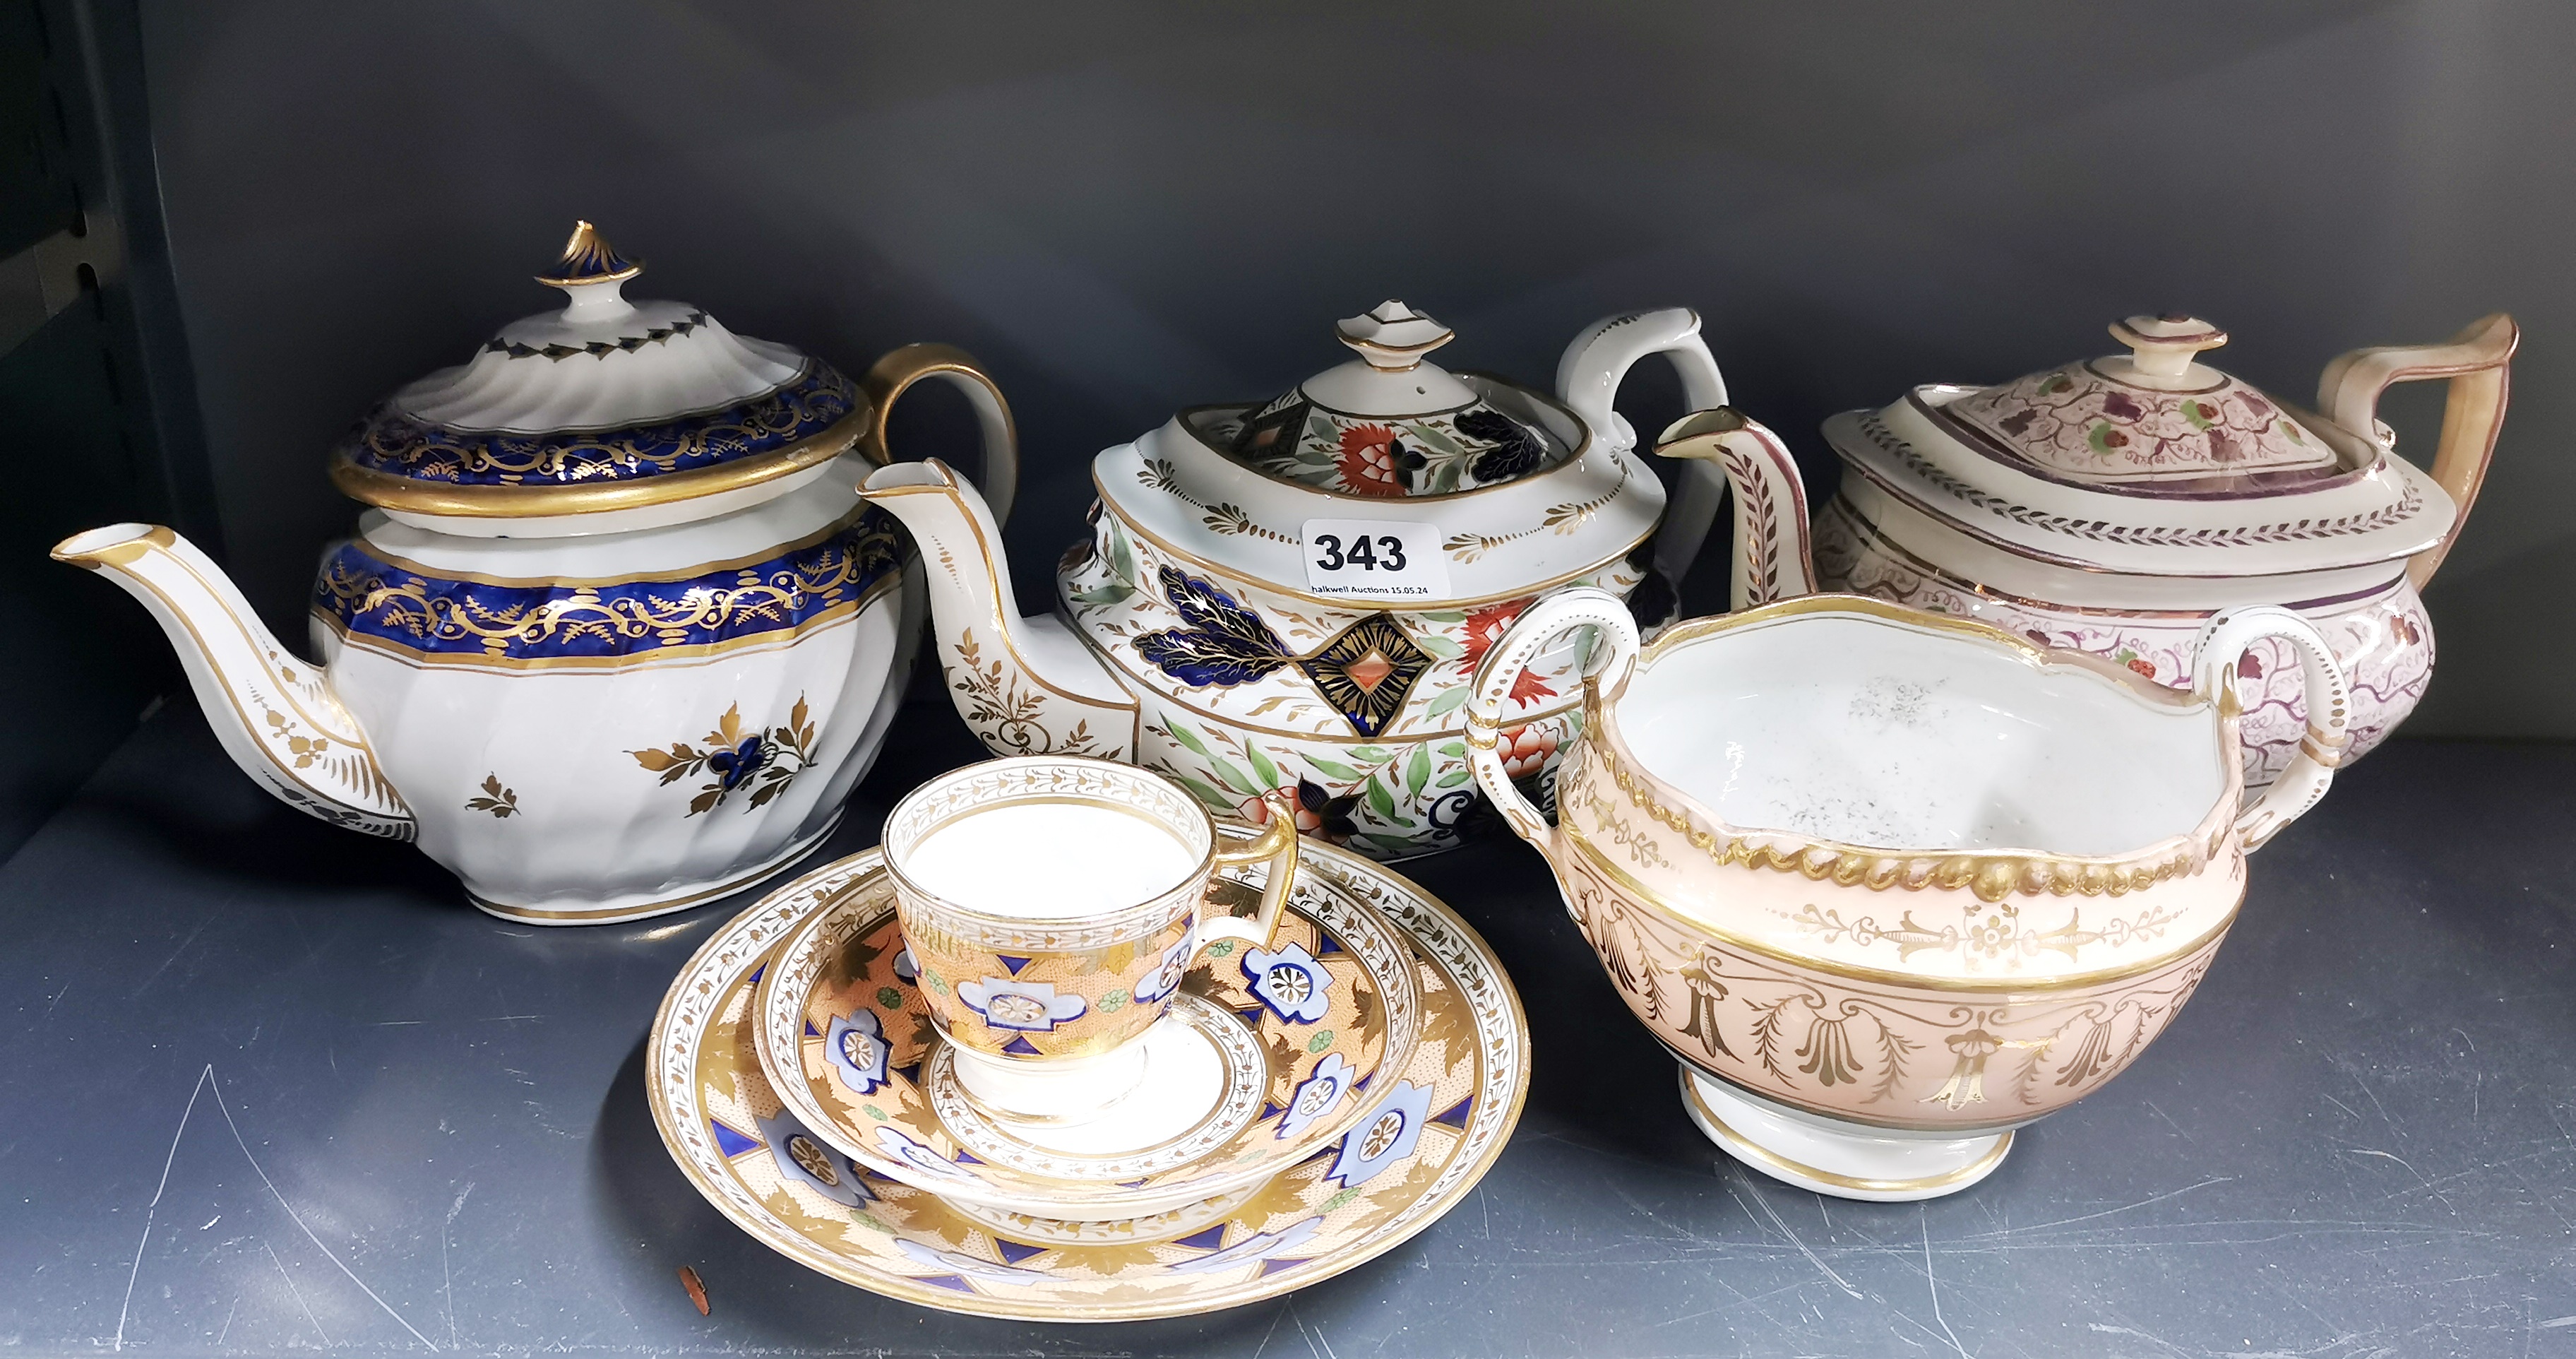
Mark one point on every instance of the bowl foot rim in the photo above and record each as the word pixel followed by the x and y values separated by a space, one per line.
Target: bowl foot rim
pixel 1849 1162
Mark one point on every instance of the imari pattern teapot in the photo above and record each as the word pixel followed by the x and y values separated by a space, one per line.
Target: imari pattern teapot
pixel 615 638
pixel 1293 594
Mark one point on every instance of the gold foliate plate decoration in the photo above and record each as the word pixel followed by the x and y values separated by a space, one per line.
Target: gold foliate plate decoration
pixel 1426 1134
pixel 1296 1040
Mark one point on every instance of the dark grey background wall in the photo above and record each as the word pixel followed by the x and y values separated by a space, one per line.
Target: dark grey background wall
pixel 1122 209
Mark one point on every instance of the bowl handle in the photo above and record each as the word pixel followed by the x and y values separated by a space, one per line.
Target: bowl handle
pixel 1614 651
pixel 2329 700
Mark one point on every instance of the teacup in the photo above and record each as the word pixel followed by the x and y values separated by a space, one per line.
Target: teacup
pixel 1051 905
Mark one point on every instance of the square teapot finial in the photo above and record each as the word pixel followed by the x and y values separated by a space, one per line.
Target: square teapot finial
pixel 1393 336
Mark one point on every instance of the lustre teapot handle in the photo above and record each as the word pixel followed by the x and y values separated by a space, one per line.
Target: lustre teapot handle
pixel 2329 702
pixel 1776 561
pixel 2479 363
pixel 1588 378
pixel 899 369
pixel 1614 651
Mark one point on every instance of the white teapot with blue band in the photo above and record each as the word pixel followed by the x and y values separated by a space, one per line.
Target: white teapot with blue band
pixel 615 638
pixel 1292 595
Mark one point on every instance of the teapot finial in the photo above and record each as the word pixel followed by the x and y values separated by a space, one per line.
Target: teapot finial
pixel 2162 346
pixel 591 273
pixel 1392 336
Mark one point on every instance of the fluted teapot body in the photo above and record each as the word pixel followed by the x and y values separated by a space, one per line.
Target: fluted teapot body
pixel 616 635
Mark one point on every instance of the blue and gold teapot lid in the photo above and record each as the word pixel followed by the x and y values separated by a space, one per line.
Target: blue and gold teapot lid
pixel 608 404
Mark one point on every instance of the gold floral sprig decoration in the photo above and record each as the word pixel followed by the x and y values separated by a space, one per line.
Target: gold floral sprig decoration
pixel 733 759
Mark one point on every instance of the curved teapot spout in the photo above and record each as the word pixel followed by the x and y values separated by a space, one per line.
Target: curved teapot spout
pixel 1770 501
pixel 1025 685
pixel 274 713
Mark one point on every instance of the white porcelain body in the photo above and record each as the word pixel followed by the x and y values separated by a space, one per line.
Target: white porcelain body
pixel 596 833
pixel 1911 880
pixel 1187 542
pixel 536 774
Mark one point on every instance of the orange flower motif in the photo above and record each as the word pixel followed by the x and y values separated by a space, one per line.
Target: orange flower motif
pixel 1485 627
pixel 1257 812
pixel 1526 750
pixel 1319 814
pixel 1368 461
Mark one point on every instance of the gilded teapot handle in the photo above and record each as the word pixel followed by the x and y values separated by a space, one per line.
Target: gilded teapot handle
pixel 2329 703
pixel 894 374
pixel 1614 651
pixel 2479 363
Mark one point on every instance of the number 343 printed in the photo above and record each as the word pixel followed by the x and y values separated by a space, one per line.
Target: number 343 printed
pixel 1374 558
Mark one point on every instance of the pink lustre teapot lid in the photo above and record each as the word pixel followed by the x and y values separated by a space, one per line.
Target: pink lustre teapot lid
pixel 608 404
pixel 2148 462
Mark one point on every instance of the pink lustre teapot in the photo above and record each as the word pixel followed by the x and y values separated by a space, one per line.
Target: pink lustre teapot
pixel 2112 506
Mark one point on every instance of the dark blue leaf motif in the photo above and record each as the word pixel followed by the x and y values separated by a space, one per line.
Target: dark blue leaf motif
pixel 1517 449
pixel 739 763
pixel 1223 643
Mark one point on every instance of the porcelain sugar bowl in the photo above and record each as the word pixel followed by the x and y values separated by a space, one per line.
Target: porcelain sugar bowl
pixel 615 638
pixel 2113 505
pixel 1888 883
pixel 1293 594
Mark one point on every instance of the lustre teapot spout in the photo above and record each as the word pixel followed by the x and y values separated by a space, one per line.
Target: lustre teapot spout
pixel 1293 595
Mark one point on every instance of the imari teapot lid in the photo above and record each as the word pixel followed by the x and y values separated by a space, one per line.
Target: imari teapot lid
pixel 1387 424
pixel 2149 462
pixel 608 404
pixel 1516 492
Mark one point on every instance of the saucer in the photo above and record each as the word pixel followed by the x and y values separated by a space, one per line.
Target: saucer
pixel 1416 1151
pixel 1267 1056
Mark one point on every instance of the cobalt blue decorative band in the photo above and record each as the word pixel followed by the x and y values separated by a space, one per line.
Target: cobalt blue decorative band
pixel 806 405
pixel 372 601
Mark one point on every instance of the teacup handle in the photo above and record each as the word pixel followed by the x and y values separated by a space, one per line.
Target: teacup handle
pixel 1614 650
pixel 2329 702
pixel 1277 843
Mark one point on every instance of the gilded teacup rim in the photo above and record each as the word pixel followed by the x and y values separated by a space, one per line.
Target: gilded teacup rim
pixel 1158 903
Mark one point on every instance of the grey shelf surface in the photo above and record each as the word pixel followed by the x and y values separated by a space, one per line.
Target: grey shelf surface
pixel 276 1087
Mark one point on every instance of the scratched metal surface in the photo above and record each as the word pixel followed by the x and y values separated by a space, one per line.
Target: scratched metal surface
pixel 276 1087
